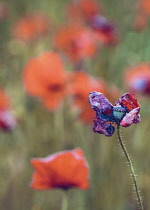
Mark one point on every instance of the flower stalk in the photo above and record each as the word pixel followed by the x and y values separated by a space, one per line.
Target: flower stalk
pixel 131 168
pixel 64 201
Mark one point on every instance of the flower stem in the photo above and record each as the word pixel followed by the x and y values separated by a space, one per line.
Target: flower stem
pixel 131 168
pixel 64 201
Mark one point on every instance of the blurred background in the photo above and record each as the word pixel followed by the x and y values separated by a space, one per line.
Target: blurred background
pixel 109 40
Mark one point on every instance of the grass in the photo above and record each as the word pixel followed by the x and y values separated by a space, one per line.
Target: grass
pixel 41 133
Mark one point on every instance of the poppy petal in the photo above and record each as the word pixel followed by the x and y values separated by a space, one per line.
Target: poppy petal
pixel 127 101
pixel 99 102
pixel 103 128
pixel 60 170
pixel 131 117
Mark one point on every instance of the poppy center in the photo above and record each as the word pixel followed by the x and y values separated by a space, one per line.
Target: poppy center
pixel 113 115
pixel 54 87
pixel 119 113
pixel 78 96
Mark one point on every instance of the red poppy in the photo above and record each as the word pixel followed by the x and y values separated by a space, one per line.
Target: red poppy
pixel 81 84
pixel 93 15
pixel 83 9
pixel 45 78
pixel 105 30
pixel 144 7
pixel 137 79
pixel 76 42
pixel 31 26
pixel 143 14
pixel 63 170
pixel 7 120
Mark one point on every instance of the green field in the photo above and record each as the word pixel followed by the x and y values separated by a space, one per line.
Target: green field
pixel 40 132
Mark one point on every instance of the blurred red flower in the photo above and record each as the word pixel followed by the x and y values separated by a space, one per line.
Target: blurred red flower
pixel 106 30
pixel 144 7
pixel 143 14
pixel 76 41
pixel 137 79
pixel 45 78
pixel 81 84
pixel 31 26
pixel 63 170
pixel 83 9
pixel 92 14
pixel 7 119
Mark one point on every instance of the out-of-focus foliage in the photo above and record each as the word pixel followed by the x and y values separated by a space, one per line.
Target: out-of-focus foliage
pixel 40 132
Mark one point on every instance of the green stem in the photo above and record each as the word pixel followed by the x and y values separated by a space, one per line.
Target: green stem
pixel 131 168
pixel 64 201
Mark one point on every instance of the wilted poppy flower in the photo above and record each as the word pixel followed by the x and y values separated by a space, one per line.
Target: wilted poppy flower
pixel 31 26
pixel 76 42
pixel 106 31
pixel 7 119
pixel 63 170
pixel 137 79
pixel 44 77
pixel 80 85
pixel 125 112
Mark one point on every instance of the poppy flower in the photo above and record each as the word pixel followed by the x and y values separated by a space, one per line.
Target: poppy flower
pixel 83 9
pixel 137 79
pixel 93 15
pixel 31 26
pixel 76 42
pixel 125 112
pixel 144 7
pixel 44 77
pixel 80 85
pixel 7 119
pixel 63 170
pixel 105 30
pixel 143 14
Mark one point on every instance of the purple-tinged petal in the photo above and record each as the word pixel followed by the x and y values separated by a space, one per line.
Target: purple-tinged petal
pixel 127 101
pixel 131 117
pixel 137 120
pixel 124 113
pixel 100 23
pixel 103 128
pixel 98 100
pixel 7 121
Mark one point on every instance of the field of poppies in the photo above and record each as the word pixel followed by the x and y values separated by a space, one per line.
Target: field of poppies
pixel 74 77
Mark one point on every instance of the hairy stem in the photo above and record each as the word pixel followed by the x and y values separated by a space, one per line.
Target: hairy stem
pixel 131 168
